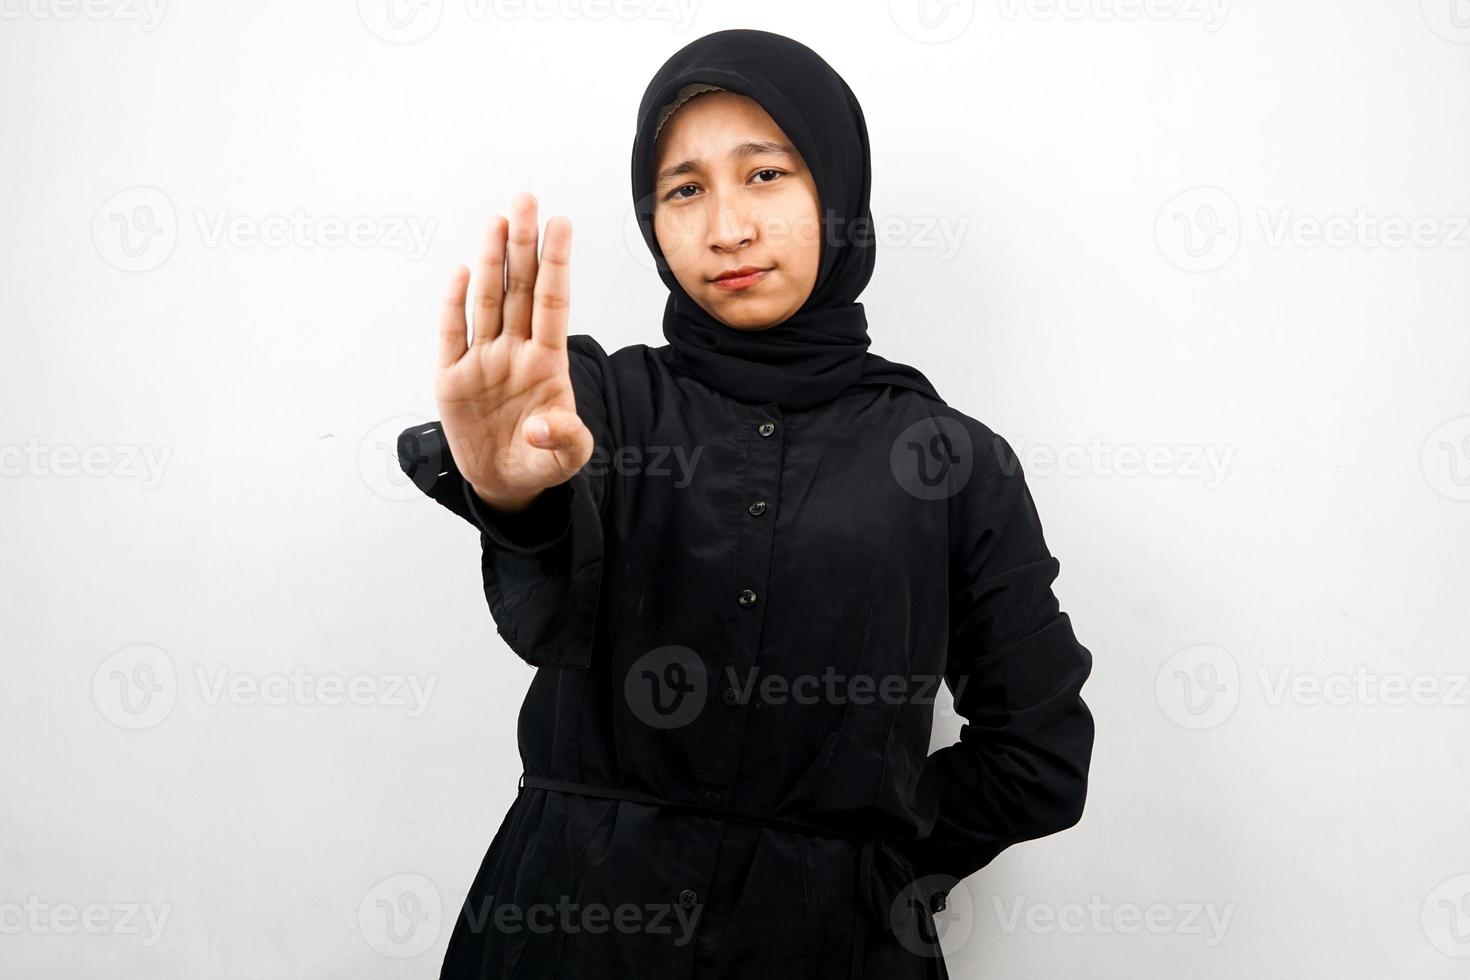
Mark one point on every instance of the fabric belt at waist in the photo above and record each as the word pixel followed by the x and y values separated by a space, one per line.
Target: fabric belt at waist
pixel 871 844
pixel 618 793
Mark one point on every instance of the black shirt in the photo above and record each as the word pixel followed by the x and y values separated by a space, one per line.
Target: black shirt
pixel 740 617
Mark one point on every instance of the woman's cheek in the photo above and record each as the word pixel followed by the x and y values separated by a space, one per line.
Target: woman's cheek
pixel 806 234
pixel 678 238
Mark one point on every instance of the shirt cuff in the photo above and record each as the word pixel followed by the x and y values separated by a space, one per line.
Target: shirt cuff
pixel 541 525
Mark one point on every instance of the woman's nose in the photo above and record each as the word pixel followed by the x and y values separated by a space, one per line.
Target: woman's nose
pixel 732 227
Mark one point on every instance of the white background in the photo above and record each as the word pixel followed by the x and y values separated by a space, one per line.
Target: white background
pixel 1227 238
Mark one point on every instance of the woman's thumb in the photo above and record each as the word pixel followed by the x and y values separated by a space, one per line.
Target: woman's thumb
pixel 538 431
pixel 560 431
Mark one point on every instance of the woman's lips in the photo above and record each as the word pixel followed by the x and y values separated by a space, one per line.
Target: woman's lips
pixel 740 282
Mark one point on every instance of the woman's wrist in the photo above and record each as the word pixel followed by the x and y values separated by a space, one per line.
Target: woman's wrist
pixel 511 503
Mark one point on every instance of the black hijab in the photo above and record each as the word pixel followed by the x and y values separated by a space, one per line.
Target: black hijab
pixel 822 349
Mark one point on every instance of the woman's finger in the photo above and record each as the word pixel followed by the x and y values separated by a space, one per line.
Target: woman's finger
pixel 567 437
pixel 553 294
pixel 490 292
pixel 452 344
pixel 520 271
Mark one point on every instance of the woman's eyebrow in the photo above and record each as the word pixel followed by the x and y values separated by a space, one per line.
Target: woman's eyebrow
pixel 749 148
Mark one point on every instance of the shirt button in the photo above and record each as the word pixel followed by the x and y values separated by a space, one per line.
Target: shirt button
pixel 747 598
pixel 758 508
pixel 766 428
pixel 938 902
pixel 730 696
pixel 687 899
pixel 711 798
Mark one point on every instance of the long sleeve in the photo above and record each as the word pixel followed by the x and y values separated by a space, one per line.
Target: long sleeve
pixel 541 567
pixel 1019 769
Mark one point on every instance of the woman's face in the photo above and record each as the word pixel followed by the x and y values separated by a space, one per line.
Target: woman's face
pixel 731 192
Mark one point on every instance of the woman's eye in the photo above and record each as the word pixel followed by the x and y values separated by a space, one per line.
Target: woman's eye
pixel 677 193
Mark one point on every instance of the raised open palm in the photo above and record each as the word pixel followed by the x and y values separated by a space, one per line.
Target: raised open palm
pixel 495 391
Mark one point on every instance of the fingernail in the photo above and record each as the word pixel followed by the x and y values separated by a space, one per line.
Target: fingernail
pixel 537 430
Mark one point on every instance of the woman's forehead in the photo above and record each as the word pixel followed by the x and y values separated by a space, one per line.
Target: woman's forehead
pixel 685 94
pixel 712 126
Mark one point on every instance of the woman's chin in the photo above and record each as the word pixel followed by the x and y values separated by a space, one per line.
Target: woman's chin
pixel 746 315
pixel 750 326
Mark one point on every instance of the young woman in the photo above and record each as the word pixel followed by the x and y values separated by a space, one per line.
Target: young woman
pixel 742 563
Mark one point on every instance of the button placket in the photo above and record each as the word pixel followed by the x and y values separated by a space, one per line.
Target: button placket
pixel 769 465
pixel 760 480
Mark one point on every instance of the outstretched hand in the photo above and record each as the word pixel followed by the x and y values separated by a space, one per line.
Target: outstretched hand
pixel 505 395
